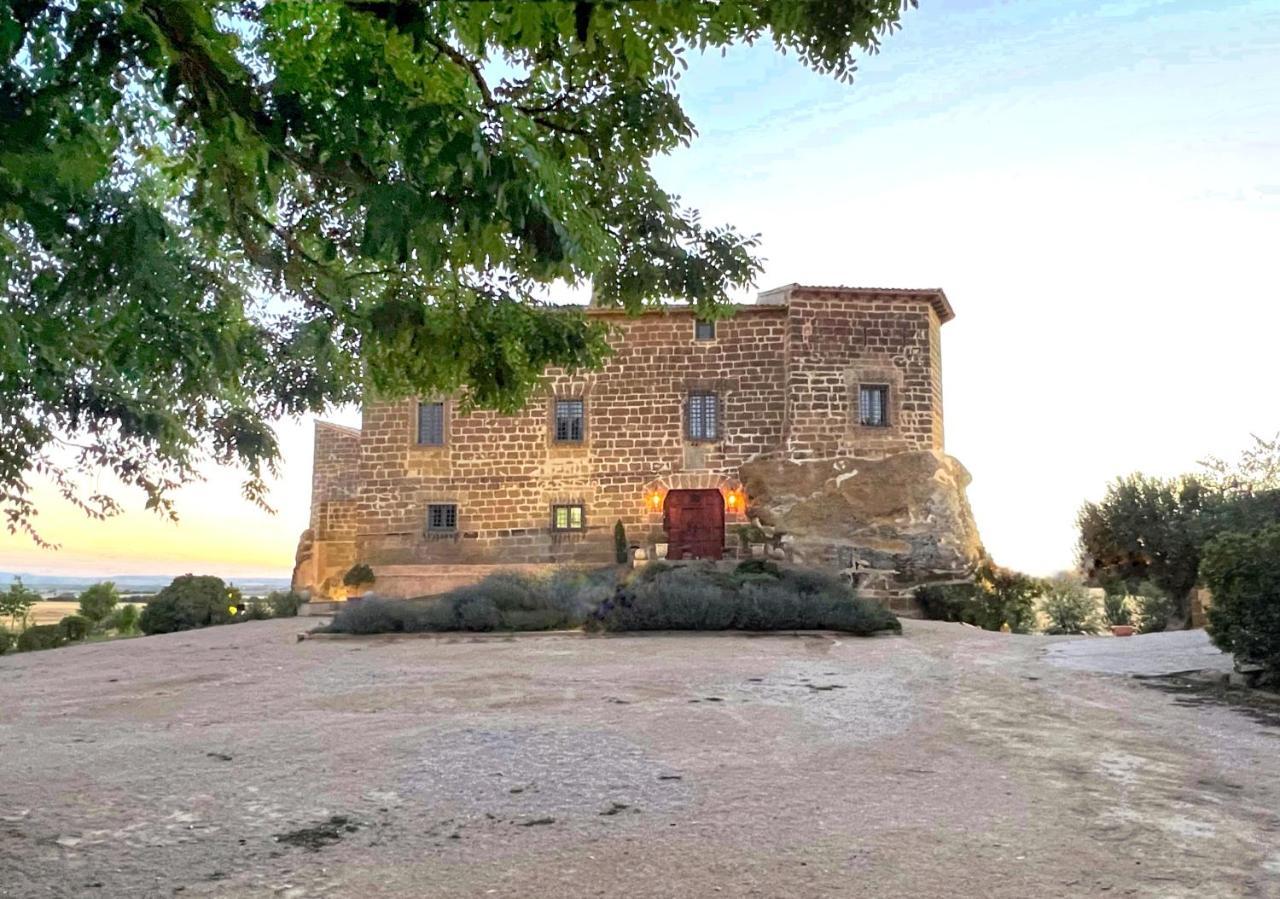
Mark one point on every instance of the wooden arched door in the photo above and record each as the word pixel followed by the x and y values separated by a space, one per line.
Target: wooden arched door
pixel 694 522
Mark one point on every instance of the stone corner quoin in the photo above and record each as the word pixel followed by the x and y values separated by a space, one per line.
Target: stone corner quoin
pixel 814 414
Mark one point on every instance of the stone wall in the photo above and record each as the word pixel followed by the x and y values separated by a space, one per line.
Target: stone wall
pixel 328 547
pixel 787 373
pixel 505 472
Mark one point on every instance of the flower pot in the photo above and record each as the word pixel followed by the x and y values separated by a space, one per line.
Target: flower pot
pixel 1122 630
pixel 660 550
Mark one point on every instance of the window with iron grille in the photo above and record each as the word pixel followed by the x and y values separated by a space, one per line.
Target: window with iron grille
pixel 431 424
pixel 569 421
pixel 442 518
pixel 568 518
pixel 704 330
pixel 703 416
pixel 873 405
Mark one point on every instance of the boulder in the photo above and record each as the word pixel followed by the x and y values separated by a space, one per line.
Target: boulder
pixel 897 522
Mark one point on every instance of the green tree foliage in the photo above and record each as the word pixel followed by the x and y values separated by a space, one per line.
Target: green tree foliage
pixel 124 620
pixel 98 601
pixel 213 214
pixel 16 603
pixel 1155 528
pixel 190 601
pixel 1242 571
pixel 42 636
pixel 1067 606
pixel 74 627
pixel 995 598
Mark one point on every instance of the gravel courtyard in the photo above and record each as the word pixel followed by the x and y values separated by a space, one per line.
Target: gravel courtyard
pixel 237 761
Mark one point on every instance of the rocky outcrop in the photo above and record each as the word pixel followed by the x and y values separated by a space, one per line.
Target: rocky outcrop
pixel 895 522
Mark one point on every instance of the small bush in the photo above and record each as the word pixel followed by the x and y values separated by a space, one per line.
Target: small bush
pixel 190 601
pixel 124 620
pixel 996 597
pixel 255 610
pixel 97 602
pixel 1115 608
pixel 1155 608
pixel 75 627
pixel 7 640
pixel 285 603
pixel 751 567
pixel 699 596
pixel 42 636
pixel 358 575
pixel 1242 571
pixel 1068 606
pixel 503 601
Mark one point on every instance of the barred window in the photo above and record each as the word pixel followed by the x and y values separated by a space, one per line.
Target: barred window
pixel 442 517
pixel 703 418
pixel 569 421
pixel 567 518
pixel 704 330
pixel 431 424
pixel 873 405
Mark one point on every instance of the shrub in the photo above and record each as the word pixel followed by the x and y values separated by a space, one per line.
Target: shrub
pixel 97 602
pixel 358 575
pixel 1155 608
pixel 945 602
pixel 124 620
pixel 503 601
pixel 42 636
pixel 1242 571
pixel 285 603
pixel 255 610
pixel 699 596
pixel 190 601
pixel 6 641
pixel 750 567
pixel 621 551
pixel 75 627
pixel 1068 606
pixel 1115 608
pixel 997 597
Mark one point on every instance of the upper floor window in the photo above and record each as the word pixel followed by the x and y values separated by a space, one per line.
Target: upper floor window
pixel 431 424
pixel 703 420
pixel 442 517
pixel 704 330
pixel 569 424
pixel 873 405
pixel 568 518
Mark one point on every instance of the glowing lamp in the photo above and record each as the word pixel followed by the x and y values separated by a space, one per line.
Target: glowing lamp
pixel 732 501
pixel 655 500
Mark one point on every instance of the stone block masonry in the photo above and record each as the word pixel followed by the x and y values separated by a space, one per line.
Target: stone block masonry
pixel 674 408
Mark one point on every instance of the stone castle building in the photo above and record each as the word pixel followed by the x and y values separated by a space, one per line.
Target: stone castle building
pixel 809 423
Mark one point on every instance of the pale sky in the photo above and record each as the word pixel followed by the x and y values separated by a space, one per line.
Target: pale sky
pixel 1096 185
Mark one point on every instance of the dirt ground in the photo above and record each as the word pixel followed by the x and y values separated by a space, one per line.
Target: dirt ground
pixel 237 761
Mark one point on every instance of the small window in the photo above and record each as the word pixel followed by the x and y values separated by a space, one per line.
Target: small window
pixel 704 418
pixel 569 421
pixel 431 424
pixel 567 518
pixel 442 518
pixel 873 405
pixel 704 330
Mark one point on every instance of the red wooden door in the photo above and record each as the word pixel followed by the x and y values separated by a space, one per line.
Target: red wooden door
pixel 694 522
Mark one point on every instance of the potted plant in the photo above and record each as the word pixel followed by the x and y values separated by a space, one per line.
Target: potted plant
pixel 1116 607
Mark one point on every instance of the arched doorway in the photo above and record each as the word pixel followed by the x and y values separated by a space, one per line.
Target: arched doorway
pixel 694 522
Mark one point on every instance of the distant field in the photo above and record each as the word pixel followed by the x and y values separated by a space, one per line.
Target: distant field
pixel 51 612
